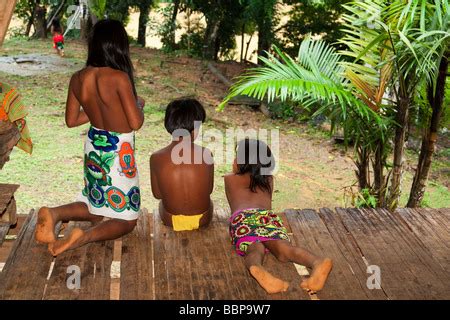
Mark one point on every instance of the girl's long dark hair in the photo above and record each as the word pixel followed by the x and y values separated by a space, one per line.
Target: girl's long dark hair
pixel 109 47
pixel 255 157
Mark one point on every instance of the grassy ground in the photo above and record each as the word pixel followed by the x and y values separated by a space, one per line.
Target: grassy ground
pixel 313 171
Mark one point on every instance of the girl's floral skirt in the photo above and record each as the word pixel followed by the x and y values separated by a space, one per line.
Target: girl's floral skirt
pixel 111 179
pixel 255 225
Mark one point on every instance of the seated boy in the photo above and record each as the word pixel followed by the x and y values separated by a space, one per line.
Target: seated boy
pixel 182 174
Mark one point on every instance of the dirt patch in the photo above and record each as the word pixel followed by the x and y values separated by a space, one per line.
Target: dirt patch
pixel 36 64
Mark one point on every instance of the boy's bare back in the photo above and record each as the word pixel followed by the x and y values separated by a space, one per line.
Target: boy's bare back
pixel 183 188
pixel 107 98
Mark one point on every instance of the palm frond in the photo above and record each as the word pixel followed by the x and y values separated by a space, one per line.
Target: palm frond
pixel 317 74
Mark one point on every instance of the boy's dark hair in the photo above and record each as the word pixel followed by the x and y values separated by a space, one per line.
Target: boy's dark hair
pixel 254 156
pixel 56 24
pixel 182 113
pixel 109 47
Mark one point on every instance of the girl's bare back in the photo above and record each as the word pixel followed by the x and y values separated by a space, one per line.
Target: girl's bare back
pixel 107 98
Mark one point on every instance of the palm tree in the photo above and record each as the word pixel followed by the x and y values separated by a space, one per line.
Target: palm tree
pixel 418 31
pixel 432 26
pixel 391 53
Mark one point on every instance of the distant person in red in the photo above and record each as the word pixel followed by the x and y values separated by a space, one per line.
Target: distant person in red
pixel 58 37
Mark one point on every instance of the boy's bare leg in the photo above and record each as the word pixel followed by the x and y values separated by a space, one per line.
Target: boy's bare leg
pixel 321 267
pixel 106 230
pixel 49 217
pixel 253 261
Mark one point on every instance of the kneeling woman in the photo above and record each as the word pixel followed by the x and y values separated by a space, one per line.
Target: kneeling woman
pixel 105 90
pixel 255 229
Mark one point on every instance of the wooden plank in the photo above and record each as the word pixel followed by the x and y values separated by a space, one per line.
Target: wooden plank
pixel 353 258
pixel 9 216
pixel 94 262
pixel 437 276
pixel 311 233
pixel 7 9
pixel 202 264
pixel 441 215
pixel 406 272
pixel 4 229
pixel 25 273
pixel 9 136
pixel 369 237
pixel 434 235
pixel 136 267
pixel 6 195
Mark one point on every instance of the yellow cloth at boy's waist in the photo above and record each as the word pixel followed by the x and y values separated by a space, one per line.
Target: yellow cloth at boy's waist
pixel 186 223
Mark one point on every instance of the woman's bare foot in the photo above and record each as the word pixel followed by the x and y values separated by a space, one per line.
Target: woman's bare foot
pixel 45 227
pixel 268 281
pixel 318 277
pixel 71 242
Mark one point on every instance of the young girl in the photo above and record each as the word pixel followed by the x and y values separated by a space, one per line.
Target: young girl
pixel 105 90
pixel 255 229
pixel 58 37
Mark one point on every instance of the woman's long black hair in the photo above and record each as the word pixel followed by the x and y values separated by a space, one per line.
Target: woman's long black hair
pixel 255 157
pixel 109 47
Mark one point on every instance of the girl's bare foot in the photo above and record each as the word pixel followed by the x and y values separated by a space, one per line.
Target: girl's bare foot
pixel 45 227
pixel 318 277
pixel 71 242
pixel 268 281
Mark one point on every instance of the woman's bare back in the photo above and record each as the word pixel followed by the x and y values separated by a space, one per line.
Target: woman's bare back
pixel 107 98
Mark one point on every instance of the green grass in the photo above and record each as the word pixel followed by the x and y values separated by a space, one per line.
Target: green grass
pixel 53 174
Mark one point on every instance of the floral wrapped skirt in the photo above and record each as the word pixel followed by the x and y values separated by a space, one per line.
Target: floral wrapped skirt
pixel 255 225
pixel 111 180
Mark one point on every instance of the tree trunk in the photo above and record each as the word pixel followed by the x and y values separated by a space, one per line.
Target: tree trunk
pixel 264 44
pixel 399 150
pixel 210 42
pixel 265 28
pixel 171 43
pixel 143 20
pixel 86 25
pixel 379 178
pixel 40 22
pixel 30 22
pixel 248 47
pixel 362 165
pixel 242 42
pixel 429 138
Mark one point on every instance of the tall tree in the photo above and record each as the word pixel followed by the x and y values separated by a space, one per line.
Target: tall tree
pixel 320 18
pixel 40 13
pixel 435 99
pixel 219 24
pixel 33 13
pixel 170 41
pixel 263 13
pixel 144 7
pixel 391 46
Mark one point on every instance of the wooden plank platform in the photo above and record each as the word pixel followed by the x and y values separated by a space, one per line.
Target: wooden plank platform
pixel 411 248
pixel 319 234
pixel 94 263
pixel 202 265
pixel 25 273
pixel 136 266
